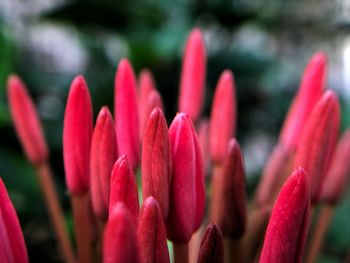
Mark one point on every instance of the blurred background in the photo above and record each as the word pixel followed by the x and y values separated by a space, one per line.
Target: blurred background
pixel 266 43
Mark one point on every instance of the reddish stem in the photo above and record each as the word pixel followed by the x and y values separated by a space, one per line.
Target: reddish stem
pixel 180 253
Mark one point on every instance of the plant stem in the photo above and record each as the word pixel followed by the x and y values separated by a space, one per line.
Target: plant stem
pixel 195 244
pixel 323 220
pixel 55 211
pixel 180 253
pixel 85 229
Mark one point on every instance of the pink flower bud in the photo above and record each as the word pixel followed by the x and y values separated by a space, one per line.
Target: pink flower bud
pixel 223 117
pixel 339 171
pixel 228 208
pixel 124 188
pixel 274 174
pixel 287 230
pixel 187 194
pixel 12 246
pixel 212 246
pixel 26 121
pixel 103 156
pixel 156 160
pixel 318 141
pixel 120 240
pixel 152 233
pixel 77 133
pixel 154 100
pixel 192 86
pixel 311 89
pixel 126 112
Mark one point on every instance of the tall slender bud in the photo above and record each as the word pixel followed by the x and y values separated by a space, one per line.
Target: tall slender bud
pixel 156 160
pixel 289 222
pixel 318 141
pixel 187 184
pixel 26 121
pixel 124 188
pixel 228 207
pixel 152 233
pixel 192 85
pixel 223 117
pixel 77 133
pixel 126 112
pixel 12 246
pixel 103 156
pixel 310 90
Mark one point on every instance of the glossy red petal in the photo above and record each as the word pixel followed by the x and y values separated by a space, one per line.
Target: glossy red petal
pixel 152 233
pixel 103 156
pixel 77 134
pixel 187 196
pixel 156 160
pixel 287 230
pixel 310 90
pixel 318 141
pixel 26 121
pixel 120 240
pixel 192 85
pixel 12 246
pixel 124 187
pixel 223 117
pixel 228 207
pixel 126 112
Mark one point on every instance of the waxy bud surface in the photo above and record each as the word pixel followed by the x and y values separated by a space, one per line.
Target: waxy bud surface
pixel 156 160
pixel 187 193
pixel 26 121
pixel 124 188
pixel 228 208
pixel 288 226
pixel 152 233
pixel 103 156
pixel 212 246
pixel 310 90
pixel 223 117
pixel 192 85
pixel 318 142
pixel 77 134
pixel 12 246
pixel 120 240
pixel 126 112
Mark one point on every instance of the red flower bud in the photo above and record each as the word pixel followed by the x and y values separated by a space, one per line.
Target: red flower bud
pixel 187 194
pixel 154 100
pixel 287 230
pixel 124 187
pixel 212 246
pixel 26 121
pixel 156 160
pixel 120 241
pixel 152 233
pixel 12 246
pixel 126 112
pixel 192 85
pixel 339 171
pixel 274 174
pixel 77 133
pixel 318 141
pixel 223 117
pixel 311 88
pixel 228 208
pixel 103 156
